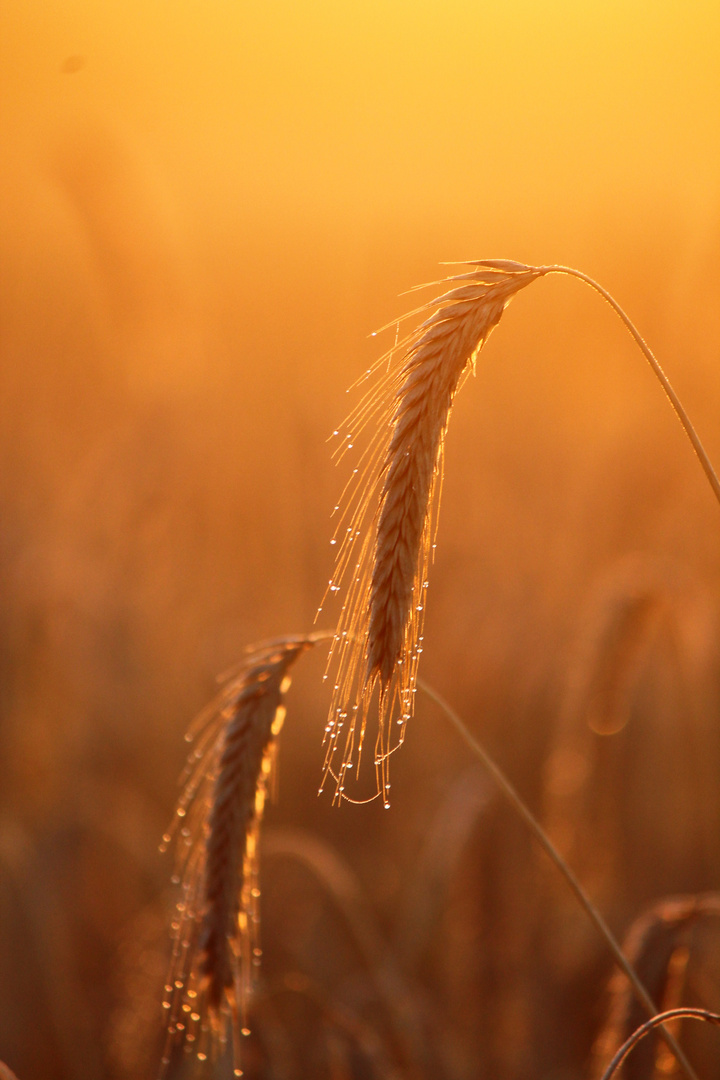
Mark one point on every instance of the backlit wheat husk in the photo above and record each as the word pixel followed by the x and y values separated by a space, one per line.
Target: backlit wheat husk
pixel 215 930
pixel 389 513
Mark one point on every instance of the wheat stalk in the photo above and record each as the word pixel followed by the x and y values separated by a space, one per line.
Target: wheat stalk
pixel 656 941
pixel 215 931
pixel 387 527
pixel 662 1018
pixel 508 790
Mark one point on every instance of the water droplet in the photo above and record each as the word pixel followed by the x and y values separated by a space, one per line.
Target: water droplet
pixel 181 811
pixel 243 1031
pixel 201 1056
pixel 166 1004
pixel 333 541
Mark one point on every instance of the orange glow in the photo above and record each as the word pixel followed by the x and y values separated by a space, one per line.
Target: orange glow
pixel 207 208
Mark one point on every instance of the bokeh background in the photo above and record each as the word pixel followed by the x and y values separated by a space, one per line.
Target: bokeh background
pixel 207 209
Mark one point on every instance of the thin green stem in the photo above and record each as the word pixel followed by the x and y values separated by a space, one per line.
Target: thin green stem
pixel 546 843
pixel 651 359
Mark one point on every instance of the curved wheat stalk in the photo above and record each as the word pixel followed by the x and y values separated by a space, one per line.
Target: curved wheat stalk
pixel 215 931
pixel 659 948
pixel 662 1018
pixel 515 800
pixel 386 530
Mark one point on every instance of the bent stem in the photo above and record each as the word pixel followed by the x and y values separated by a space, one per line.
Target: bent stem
pixel 654 364
pixel 646 1028
pixel 546 843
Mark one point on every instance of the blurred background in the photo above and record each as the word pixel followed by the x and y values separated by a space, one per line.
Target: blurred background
pixel 207 209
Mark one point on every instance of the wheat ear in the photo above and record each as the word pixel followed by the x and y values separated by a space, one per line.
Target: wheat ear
pixel 380 632
pixel 215 932
pixel 386 531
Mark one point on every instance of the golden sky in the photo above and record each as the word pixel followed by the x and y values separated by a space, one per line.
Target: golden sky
pixel 389 107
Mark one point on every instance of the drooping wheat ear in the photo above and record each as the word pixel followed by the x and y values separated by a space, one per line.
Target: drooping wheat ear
pixel 386 530
pixel 215 931
pixel 379 637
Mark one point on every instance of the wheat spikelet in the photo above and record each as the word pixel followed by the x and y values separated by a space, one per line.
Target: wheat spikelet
pixel 215 931
pixel 384 555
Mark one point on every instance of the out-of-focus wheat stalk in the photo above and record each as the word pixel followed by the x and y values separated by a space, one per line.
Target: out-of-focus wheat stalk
pixel 659 947
pixel 387 526
pixel 215 931
pixel 662 1018
pixel 508 790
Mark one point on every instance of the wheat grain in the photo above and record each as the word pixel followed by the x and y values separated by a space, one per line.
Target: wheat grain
pixel 215 931
pixel 384 555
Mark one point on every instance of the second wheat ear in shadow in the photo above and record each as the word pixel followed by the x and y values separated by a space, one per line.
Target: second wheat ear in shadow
pixel 226 782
